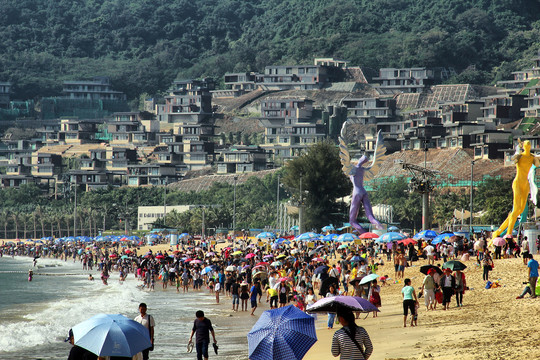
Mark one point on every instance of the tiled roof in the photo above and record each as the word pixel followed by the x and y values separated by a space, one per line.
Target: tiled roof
pixel 436 95
pixel 453 163
pixel 205 182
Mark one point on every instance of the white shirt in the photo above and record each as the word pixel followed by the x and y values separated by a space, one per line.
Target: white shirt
pixel 147 321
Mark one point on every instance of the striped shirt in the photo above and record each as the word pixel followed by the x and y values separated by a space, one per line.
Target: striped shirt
pixel 344 346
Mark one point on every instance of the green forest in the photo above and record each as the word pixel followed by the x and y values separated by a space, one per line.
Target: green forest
pixel 143 45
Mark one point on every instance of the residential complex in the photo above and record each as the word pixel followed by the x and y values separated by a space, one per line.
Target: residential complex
pixel 81 142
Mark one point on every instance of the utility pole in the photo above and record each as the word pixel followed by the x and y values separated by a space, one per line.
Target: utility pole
pixel 202 223
pixel 277 205
pixel 234 205
pixel 301 210
pixel 165 200
pixel 75 211
pixel 471 203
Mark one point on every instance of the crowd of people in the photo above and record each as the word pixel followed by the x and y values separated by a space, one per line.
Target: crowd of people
pixel 246 272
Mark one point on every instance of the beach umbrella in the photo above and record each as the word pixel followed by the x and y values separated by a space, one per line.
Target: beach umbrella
pixel 282 241
pixel 328 228
pixel 195 262
pixel 325 285
pixel 250 255
pixel 308 236
pixel 276 263
pixel 390 236
pixel 238 252
pixel 321 269
pixel 160 257
pixel 318 259
pixel 343 246
pixel 347 237
pixel 283 279
pixel 262 263
pixel 266 235
pixel 125 257
pixel 425 268
pixel 499 241
pixel 332 304
pixel 454 265
pixel 206 270
pixel 368 235
pixel 508 236
pixel 407 241
pixel 425 234
pixel 439 238
pixel 111 335
pixel 368 278
pixel 268 256
pixel 282 256
pixel 261 274
pixel 329 237
pixel 393 228
pixel 286 333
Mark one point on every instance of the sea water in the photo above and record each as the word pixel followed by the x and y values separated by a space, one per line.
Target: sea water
pixel 35 316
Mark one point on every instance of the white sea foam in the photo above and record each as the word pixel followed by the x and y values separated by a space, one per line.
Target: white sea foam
pixel 46 323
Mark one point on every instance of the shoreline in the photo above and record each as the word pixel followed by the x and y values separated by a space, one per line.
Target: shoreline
pixel 485 327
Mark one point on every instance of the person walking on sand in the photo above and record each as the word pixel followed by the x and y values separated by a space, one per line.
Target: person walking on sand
pixel 448 285
pixel 351 342
pixel 409 302
pixel 487 264
pixel 461 285
pixel 374 296
pixel 253 297
pixel 202 328
pixel 148 322
pixel 428 287
pixel 532 264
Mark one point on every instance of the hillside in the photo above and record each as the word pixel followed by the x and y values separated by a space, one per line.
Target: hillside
pixel 143 45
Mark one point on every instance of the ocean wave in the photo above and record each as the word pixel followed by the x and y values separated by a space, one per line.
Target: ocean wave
pixel 48 322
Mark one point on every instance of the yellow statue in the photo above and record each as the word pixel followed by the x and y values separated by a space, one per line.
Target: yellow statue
pixel 523 185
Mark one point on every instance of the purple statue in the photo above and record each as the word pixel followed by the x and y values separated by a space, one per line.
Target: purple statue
pixel 358 174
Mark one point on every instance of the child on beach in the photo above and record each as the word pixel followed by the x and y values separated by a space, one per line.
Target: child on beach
pixel 374 296
pixel 244 295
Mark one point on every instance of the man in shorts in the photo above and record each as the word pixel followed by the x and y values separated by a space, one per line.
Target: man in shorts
pixel 202 327
pixel 253 297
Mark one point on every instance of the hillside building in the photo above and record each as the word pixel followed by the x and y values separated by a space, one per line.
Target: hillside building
pixel 289 126
pixel 5 91
pixel 99 88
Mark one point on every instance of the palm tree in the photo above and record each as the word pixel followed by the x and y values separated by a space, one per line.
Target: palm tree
pixel 5 217
pixel 15 216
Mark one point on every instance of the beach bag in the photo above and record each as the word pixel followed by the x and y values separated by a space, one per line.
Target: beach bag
pixel 439 296
pixel 488 285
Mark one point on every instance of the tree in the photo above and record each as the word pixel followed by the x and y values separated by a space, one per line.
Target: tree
pixel 322 183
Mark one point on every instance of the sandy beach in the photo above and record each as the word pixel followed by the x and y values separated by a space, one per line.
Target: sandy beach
pixel 492 324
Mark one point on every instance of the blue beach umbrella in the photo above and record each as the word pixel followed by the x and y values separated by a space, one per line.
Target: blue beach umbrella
pixel 393 228
pixel 111 335
pixel 206 270
pixel 328 228
pixel 329 237
pixel 286 333
pixel 390 236
pixel 266 235
pixel 347 237
pixel 441 237
pixel 309 236
pixel 282 241
pixel 425 234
